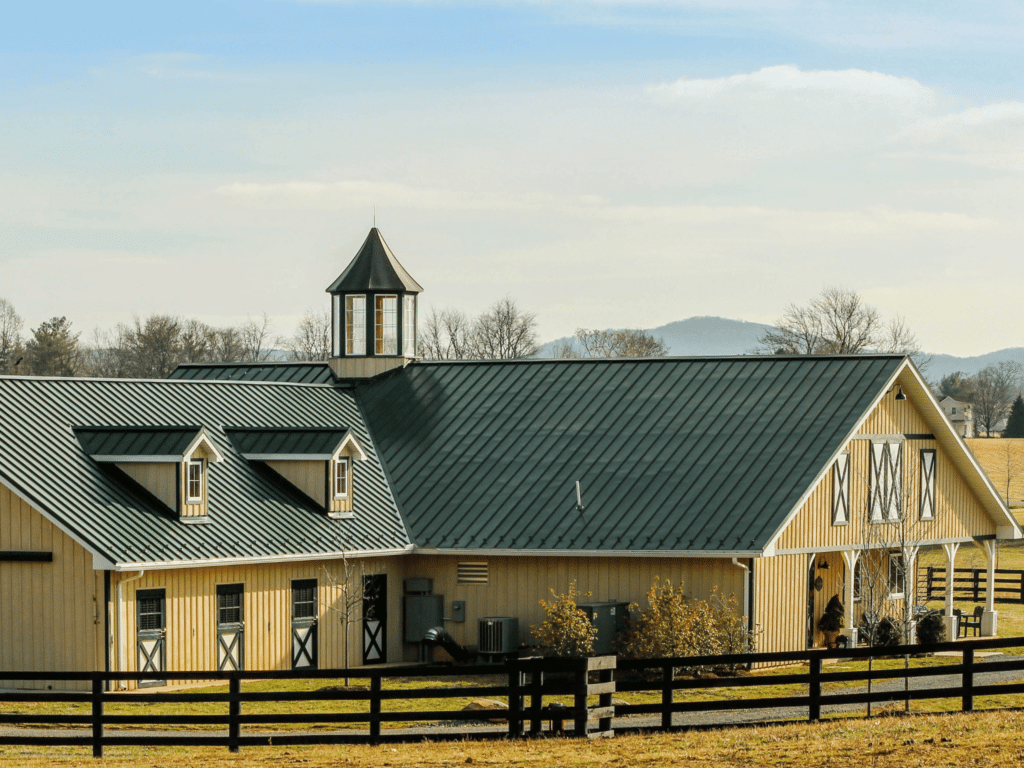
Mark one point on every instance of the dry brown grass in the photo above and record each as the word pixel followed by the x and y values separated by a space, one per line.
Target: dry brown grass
pixel 988 739
pixel 999 457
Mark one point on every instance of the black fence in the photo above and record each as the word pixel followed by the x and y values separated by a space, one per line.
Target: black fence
pixel 526 683
pixel 970 584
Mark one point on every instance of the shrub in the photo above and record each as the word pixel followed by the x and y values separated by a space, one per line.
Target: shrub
pixel 931 628
pixel 566 631
pixel 886 634
pixel 832 619
pixel 672 625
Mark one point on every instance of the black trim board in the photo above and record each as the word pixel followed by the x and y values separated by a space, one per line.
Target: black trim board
pixel 21 556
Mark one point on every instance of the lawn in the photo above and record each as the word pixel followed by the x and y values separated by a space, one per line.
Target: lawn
pixel 1001 459
pixel 988 739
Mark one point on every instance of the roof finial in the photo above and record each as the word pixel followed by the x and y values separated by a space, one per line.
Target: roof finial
pixel 375 217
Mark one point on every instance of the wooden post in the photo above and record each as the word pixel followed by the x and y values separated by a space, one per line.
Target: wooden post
pixel 968 680
pixel 536 698
pixel 579 704
pixel 97 717
pixel 667 696
pixel 977 582
pixel 375 699
pixel 931 578
pixel 604 700
pixel 1022 586
pixel 515 699
pixel 814 690
pixel 234 711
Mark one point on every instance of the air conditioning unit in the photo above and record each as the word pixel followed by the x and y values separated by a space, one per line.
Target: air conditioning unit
pixel 499 634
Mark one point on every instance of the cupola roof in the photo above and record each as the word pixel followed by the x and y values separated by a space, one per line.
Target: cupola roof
pixel 375 268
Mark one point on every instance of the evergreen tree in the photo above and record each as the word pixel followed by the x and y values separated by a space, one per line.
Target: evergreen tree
pixel 53 349
pixel 1015 422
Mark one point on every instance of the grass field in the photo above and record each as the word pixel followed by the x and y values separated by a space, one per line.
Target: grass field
pixel 927 741
pixel 1002 458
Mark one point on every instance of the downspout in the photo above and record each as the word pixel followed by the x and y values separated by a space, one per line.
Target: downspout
pixel 122 625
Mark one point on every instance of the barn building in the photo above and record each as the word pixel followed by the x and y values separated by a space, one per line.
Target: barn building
pixel 275 516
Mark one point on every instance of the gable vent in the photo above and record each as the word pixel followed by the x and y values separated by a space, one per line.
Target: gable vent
pixel 472 573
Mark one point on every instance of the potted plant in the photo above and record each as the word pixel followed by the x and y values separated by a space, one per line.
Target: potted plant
pixel 831 621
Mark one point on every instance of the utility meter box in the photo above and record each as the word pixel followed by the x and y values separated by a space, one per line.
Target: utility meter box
pixel 610 618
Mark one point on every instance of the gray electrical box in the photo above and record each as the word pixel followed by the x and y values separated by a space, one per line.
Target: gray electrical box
pixel 610 618
pixel 422 612
pixel 419 586
pixel 459 610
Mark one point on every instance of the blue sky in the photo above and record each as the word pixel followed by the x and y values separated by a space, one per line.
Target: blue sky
pixel 606 163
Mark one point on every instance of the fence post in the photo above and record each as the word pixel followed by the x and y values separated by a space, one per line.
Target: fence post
pixel 814 690
pixel 1022 586
pixel 667 697
pixel 515 699
pixel 536 698
pixel 234 711
pixel 579 705
pixel 931 577
pixel 968 680
pixel 97 717
pixel 376 684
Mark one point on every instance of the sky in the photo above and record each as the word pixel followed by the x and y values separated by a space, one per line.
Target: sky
pixel 607 163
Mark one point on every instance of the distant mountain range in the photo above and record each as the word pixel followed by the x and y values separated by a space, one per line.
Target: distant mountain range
pixel 700 336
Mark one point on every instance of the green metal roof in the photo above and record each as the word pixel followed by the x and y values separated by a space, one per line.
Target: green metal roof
pixel 136 441
pixel 252 514
pixel 681 455
pixel 297 373
pixel 375 268
pixel 319 442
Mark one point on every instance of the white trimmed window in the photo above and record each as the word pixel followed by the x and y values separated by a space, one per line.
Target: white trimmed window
pixel 841 489
pixel 897 576
pixel 195 481
pixel 928 484
pixel 885 480
pixel 355 325
pixel 409 326
pixel 386 324
pixel 341 478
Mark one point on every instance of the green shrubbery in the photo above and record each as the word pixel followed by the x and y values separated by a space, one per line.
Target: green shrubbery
pixel 566 631
pixel 931 628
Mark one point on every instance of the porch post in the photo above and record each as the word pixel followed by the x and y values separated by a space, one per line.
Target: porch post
pixel 990 618
pixel 910 590
pixel 950 620
pixel 850 557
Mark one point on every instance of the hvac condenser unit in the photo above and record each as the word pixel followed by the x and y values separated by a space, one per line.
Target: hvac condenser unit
pixel 499 634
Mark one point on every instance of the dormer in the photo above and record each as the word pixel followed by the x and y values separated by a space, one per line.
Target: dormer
pixel 316 461
pixel 373 313
pixel 170 462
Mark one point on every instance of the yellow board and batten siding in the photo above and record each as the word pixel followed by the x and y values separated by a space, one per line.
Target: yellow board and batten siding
pixel 159 478
pixel 958 513
pixel 51 614
pixel 191 612
pixel 315 479
pixel 516 584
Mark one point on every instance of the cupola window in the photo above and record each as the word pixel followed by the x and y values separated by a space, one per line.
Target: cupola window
pixel 355 325
pixel 386 324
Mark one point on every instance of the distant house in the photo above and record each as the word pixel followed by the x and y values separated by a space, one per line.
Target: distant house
pixel 960 415
pixel 216 520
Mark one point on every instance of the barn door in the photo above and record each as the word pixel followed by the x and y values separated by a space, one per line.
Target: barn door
pixel 230 627
pixel 375 618
pixel 304 624
pixel 151 634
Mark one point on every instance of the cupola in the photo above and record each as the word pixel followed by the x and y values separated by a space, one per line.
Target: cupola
pixel 373 312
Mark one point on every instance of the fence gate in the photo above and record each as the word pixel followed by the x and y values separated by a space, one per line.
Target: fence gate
pixel 151 634
pixel 375 618
pixel 230 627
pixel 304 624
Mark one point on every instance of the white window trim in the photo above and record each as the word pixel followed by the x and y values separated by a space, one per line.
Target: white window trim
pixel 380 329
pixel 885 482
pixel 409 325
pixel 901 574
pixel 357 350
pixel 928 483
pixel 189 498
pixel 341 460
pixel 841 489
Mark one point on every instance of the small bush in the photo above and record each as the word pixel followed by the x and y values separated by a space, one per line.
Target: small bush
pixel 886 634
pixel 566 631
pixel 832 619
pixel 931 628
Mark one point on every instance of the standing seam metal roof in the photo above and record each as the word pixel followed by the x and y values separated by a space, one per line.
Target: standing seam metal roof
pixel 696 454
pixel 251 515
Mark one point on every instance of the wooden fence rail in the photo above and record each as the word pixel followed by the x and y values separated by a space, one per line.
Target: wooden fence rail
pixel 970 584
pixel 529 681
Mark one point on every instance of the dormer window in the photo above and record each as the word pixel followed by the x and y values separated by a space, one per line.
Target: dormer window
pixel 341 477
pixel 386 325
pixel 195 481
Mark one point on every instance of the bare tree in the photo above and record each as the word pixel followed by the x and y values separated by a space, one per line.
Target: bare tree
pixel 11 347
pixel 837 322
pixel 505 332
pixel 623 343
pixel 349 607
pixel 992 391
pixel 312 339
pixel 256 341
pixel 447 335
